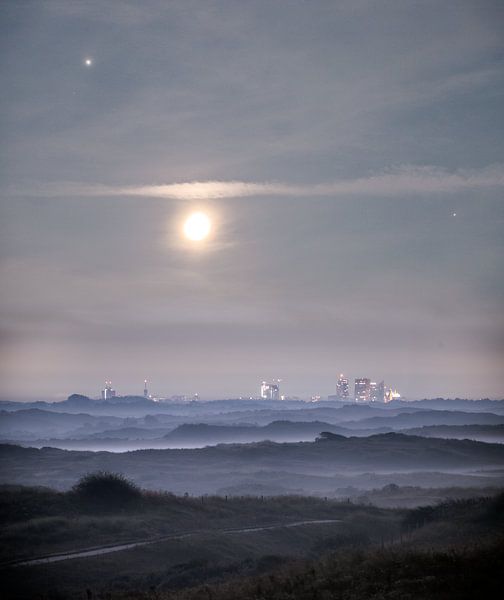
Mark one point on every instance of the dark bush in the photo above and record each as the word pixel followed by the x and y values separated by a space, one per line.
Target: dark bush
pixel 495 510
pixel 106 490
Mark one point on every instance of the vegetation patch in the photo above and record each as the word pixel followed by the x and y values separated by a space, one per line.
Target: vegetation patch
pixel 107 491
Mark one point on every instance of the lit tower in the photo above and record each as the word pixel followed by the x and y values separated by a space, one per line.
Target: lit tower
pixel 146 390
pixel 270 391
pixel 362 389
pixel 108 392
pixel 373 391
pixel 342 388
pixel 377 391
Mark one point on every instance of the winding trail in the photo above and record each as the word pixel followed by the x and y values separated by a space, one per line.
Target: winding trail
pixel 99 550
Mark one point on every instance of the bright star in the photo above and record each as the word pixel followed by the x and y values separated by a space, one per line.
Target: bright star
pixel 88 62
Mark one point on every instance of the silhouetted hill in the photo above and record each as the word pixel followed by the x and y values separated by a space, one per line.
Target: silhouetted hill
pixel 128 433
pixel 78 400
pixel 431 417
pixel 204 434
pixel 121 405
pixel 260 412
pixel 484 405
pixel 483 433
pixel 142 423
pixel 35 422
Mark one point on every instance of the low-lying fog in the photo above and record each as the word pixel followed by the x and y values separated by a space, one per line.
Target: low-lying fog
pixel 136 423
pixel 256 448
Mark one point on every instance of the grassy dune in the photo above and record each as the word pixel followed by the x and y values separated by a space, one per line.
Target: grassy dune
pixel 370 553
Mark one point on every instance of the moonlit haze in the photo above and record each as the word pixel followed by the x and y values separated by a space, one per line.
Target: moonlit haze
pixel 213 194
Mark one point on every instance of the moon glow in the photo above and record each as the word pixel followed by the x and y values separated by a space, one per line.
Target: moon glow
pixel 197 227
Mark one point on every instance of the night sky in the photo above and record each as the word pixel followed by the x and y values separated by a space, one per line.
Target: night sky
pixel 349 156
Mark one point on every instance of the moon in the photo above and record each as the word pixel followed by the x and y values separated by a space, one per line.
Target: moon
pixel 197 227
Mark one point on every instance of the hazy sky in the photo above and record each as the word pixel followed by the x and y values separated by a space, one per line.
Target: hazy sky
pixel 349 154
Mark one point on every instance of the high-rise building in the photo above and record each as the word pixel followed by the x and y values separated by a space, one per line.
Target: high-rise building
pixel 362 390
pixel 377 391
pixel 146 389
pixel 108 392
pixel 342 392
pixel 270 391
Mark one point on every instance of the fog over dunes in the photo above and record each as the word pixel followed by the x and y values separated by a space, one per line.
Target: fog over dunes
pixel 138 423
pixel 223 465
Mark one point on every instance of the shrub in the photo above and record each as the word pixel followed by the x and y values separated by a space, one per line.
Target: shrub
pixel 107 491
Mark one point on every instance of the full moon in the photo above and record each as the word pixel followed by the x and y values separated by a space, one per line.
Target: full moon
pixel 197 227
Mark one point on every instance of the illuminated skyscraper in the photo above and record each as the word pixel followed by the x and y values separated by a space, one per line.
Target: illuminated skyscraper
pixel 342 392
pixel 108 392
pixel 376 391
pixel 146 389
pixel 373 391
pixel 270 391
pixel 362 390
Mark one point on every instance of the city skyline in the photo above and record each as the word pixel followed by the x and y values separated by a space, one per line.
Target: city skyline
pixel 271 390
pixel 215 192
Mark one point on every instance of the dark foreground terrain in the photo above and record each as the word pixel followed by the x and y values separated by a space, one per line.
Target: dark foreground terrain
pixel 383 516
pixel 457 573
pixel 253 548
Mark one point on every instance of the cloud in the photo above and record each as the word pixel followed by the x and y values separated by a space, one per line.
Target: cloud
pixel 397 181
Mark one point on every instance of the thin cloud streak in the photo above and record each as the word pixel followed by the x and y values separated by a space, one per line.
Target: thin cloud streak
pixel 403 180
